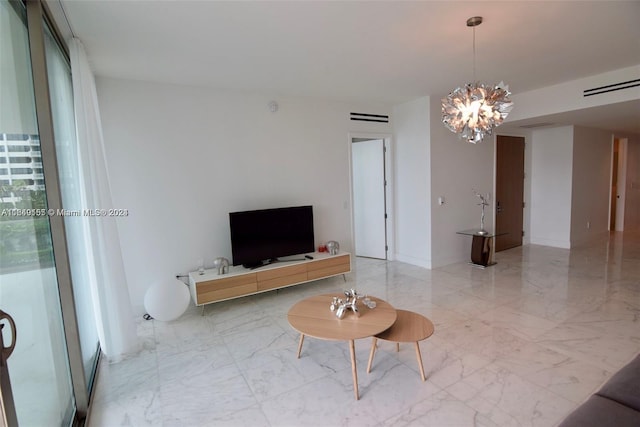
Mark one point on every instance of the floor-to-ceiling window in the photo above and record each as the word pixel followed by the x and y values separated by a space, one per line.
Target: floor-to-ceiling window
pixel 61 95
pixel 39 367
pixel 47 379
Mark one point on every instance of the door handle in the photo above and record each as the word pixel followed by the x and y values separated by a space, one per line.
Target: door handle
pixel 5 352
pixel 498 208
pixel 8 414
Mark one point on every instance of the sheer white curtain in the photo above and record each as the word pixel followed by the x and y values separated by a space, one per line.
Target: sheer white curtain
pixel 76 227
pixel 114 316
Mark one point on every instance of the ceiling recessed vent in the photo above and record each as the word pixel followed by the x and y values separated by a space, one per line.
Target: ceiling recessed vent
pixel 537 125
pixel 611 88
pixel 362 117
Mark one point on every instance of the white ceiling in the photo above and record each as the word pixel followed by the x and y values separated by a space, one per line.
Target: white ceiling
pixel 376 51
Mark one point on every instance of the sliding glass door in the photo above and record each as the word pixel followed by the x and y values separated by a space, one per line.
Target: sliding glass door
pixel 38 368
pixel 76 227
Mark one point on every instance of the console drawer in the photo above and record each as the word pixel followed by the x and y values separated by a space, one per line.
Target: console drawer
pixel 215 290
pixel 328 267
pixel 279 277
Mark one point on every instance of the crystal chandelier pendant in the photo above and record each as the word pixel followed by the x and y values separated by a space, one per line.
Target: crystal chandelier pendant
pixel 474 110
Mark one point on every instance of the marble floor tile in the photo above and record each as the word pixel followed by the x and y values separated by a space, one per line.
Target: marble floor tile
pixel 522 343
pixel 142 409
pixel 521 401
pixel 274 373
pixel 250 417
pixel 441 409
pixel 210 390
pixel 572 379
pixel 554 309
pixel 590 345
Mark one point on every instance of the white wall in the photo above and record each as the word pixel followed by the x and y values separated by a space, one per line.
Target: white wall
pixel 181 158
pixel 457 167
pixel 569 96
pixel 551 179
pixel 412 182
pixel 432 162
pixel 591 186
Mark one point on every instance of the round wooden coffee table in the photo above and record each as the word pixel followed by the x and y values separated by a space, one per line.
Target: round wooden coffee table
pixel 312 317
pixel 408 327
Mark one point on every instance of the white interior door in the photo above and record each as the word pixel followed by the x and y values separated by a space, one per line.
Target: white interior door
pixel 369 205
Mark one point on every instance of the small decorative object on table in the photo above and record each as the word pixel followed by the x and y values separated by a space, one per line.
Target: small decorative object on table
pixel 333 247
pixel 340 306
pixel 368 302
pixel 484 201
pixel 222 264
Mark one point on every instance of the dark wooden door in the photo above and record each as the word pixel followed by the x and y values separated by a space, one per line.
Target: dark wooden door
pixel 509 191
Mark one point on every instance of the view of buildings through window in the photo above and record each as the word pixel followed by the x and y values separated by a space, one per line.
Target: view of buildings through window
pixel 22 187
pixel 20 163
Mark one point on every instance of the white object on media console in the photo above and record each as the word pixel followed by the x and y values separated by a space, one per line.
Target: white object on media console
pixel 167 301
pixel 333 247
pixel 221 264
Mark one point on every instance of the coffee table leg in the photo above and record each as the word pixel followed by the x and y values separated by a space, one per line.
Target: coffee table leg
pixel 352 350
pixel 371 353
pixel 419 357
pixel 300 345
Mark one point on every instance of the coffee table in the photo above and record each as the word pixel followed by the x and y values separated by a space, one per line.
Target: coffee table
pixel 312 317
pixel 408 327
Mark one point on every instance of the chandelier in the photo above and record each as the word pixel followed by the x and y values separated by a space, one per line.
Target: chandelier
pixel 474 110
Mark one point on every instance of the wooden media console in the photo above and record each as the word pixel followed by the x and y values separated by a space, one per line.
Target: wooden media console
pixel 211 287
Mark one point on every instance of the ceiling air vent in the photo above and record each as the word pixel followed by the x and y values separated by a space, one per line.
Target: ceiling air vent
pixel 611 88
pixel 537 125
pixel 362 117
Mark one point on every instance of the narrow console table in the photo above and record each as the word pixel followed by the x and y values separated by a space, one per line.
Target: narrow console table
pixel 211 287
pixel 481 247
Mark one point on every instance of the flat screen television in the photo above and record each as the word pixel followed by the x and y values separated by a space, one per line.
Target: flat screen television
pixel 260 237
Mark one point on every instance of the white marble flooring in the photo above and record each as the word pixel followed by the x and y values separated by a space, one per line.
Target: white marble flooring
pixel 519 344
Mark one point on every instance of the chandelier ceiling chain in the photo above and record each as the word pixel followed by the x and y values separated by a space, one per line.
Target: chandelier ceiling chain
pixel 474 51
pixel 473 111
pixel 473 22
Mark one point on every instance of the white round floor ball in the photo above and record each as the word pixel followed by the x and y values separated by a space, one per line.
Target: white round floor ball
pixel 167 301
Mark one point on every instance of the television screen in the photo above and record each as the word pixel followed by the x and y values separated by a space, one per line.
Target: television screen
pixel 264 235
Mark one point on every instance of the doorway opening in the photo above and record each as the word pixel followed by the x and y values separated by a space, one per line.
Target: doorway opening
pixel 509 192
pixel 370 195
pixel 618 184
